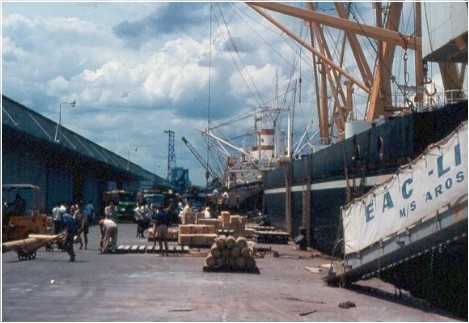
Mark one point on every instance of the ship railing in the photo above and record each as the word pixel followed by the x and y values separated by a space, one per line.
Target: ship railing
pixel 433 102
pixel 455 96
pixel 266 164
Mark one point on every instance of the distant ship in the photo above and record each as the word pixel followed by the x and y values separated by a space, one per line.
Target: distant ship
pixel 242 173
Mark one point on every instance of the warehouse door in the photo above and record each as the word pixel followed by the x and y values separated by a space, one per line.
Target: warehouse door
pixel 78 184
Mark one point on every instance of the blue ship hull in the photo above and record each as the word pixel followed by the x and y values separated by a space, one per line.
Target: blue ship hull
pixel 331 177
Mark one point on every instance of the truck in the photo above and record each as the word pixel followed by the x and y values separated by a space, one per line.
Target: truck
pixel 126 202
pixel 23 212
pixel 163 197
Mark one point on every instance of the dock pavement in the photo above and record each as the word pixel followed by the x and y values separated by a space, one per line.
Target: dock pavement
pixel 148 287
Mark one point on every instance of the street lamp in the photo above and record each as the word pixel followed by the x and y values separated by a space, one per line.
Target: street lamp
pixel 72 104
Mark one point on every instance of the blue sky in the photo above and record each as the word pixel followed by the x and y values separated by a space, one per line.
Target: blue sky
pixel 138 69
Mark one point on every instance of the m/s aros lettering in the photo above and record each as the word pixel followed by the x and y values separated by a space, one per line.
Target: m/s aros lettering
pixel 385 202
pixel 441 188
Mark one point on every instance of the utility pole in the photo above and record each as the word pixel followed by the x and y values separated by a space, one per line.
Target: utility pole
pixel 171 153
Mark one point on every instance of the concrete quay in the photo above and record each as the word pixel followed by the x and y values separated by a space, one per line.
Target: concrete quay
pixel 148 287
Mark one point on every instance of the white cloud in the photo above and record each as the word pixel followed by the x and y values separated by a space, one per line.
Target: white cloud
pixel 57 85
pixel 10 51
pixel 129 95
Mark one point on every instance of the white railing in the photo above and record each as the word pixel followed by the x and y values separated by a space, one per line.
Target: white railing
pixel 435 101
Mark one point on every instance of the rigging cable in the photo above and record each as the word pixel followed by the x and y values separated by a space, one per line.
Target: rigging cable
pixel 442 71
pixel 296 48
pixel 387 68
pixel 287 40
pixel 239 56
pixel 209 97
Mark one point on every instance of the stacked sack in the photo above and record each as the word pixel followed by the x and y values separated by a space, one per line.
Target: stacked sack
pixel 230 254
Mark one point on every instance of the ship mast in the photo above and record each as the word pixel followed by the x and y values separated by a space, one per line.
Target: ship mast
pixel 377 86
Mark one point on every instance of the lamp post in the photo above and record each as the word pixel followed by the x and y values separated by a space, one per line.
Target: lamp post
pixel 72 104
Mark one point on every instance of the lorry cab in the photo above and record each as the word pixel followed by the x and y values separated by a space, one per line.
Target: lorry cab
pixel 23 212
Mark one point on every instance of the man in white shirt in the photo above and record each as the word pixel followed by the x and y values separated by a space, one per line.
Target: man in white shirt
pixel 108 235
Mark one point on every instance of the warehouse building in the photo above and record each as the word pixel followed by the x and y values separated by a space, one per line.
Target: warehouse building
pixel 65 165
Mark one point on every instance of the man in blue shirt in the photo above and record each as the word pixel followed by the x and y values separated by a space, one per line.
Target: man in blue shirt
pixel 70 231
pixel 163 221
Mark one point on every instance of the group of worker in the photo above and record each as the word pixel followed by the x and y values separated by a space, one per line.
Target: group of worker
pixel 161 219
pixel 74 220
pixel 143 216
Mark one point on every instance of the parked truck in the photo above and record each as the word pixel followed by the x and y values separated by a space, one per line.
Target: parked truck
pixel 23 212
pixel 126 202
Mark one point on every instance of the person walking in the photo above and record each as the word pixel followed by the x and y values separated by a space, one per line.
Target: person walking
pixel 162 222
pixel 81 219
pixel 57 214
pixel 70 229
pixel 89 208
pixel 108 235
pixel 140 219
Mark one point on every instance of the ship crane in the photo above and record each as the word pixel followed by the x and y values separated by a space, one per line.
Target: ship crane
pixel 211 172
pixel 210 134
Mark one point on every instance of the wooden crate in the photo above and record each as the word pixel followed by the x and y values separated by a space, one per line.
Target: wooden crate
pixel 172 234
pixel 215 222
pixel 196 228
pixel 197 240
pixel 225 217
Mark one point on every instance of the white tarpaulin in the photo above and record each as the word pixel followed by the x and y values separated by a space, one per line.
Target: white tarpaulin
pixel 437 178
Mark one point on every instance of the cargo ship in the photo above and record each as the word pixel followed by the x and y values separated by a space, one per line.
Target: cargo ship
pixel 244 166
pixel 403 115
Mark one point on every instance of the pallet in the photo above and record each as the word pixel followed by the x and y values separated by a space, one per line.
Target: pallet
pixel 226 232
pixel 264 228
pixel 262 249
pixel 274 237
pixel 207 269
pixel 140 249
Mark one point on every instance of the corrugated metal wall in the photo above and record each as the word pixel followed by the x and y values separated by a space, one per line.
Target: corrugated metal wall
pixel 73 168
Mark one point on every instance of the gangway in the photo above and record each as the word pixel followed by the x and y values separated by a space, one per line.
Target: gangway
pixel 400 229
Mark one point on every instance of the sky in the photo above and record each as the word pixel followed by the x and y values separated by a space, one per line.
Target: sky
pixel 136 69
